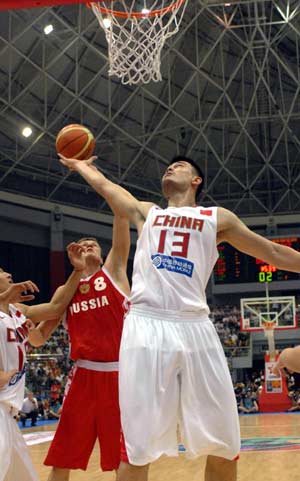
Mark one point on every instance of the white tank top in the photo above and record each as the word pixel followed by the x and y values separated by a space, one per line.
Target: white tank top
pixel 13 339
pixel 174 258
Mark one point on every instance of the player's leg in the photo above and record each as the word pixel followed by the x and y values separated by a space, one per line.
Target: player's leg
pixel 149 392
pixel 220 469
pixel 76 432
pixel 128 472
pixel 59 474
pixel 208 407
pixel 108 419
pixel 5 442
pixel 20 464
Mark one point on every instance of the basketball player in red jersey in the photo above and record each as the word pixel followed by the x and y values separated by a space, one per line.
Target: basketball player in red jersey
pixel 15 463
pixel 172 365
pixel 94 321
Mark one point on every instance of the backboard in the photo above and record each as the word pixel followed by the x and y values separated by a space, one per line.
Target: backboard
pixel 258 312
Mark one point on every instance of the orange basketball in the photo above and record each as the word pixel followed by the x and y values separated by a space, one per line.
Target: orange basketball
pixel 75 142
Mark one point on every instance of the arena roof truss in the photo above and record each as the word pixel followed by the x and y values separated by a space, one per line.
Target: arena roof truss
pixel 229 98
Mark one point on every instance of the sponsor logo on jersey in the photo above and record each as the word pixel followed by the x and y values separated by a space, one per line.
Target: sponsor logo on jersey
pixel 88 305
pixel 173 264
pixel 84 288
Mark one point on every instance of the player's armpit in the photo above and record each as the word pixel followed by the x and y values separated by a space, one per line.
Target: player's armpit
pixel 143 209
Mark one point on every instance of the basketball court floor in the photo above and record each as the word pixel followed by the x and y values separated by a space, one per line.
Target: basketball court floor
pixel 270 451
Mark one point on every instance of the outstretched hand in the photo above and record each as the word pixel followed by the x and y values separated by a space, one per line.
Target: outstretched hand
pixel 278 369
pixel 77 256
pixel 283 366
pixel 288 361
pixel 72 164
pixel 30 325
pixel 18 292
pixel 5 377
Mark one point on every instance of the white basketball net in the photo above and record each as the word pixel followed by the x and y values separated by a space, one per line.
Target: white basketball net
pixel 135 41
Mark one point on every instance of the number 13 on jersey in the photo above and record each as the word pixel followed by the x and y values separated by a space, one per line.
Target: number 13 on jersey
pixel 180 242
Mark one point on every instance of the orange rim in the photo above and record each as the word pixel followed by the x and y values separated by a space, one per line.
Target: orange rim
pixel 117 13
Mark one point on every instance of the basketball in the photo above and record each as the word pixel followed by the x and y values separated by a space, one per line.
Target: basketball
pixel 75 142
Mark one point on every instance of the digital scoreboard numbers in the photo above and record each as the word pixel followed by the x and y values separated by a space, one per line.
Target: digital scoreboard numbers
pixel 235 267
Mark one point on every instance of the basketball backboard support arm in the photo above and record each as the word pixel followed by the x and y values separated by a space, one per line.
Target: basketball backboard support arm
pixel 14 4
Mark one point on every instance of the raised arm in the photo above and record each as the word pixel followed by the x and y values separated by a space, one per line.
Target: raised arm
pixel 39 335
pixel 116 261
pixel 231 229
pixel 121 202
pixel 63 295
pixel 17 292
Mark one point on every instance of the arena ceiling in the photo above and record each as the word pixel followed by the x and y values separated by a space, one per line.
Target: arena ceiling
pixel 229 98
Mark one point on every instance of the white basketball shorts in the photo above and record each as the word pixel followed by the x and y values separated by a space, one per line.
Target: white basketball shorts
pixel 15 462
pixel 173 371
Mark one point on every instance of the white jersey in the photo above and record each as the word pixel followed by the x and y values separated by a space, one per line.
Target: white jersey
pixel 174 258
pixel 13 339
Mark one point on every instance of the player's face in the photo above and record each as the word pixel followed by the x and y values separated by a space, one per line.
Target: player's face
pixel 5 280
pixel 178 178
pixel 92 249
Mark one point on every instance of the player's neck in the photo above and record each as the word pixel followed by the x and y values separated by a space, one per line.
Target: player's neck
pixel 4 307
pixel 91 269
pixel 182 199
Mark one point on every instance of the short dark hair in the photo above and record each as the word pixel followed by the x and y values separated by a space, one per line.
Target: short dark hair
pixel 87 239
pixel 199 171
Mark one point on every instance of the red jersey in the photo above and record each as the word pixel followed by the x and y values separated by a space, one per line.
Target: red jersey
pixel 95 319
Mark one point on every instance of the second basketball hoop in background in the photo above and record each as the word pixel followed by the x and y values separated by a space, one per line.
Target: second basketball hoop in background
pixel 75 142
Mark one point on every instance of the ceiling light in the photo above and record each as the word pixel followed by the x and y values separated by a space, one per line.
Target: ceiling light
pixel 145 11
pixel 107 22
pixel 27 131
pixel 48 29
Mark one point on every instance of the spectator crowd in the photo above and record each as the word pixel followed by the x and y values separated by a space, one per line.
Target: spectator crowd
pixel 49 366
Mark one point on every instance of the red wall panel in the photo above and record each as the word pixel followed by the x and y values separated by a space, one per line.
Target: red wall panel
pixel 12 4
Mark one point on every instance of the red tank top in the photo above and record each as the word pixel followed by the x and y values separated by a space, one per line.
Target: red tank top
pixel 95 319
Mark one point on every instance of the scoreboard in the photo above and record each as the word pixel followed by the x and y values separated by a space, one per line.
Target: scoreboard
pixel 235 267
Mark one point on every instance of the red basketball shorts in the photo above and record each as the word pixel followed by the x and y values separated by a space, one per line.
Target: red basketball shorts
pixel 90 411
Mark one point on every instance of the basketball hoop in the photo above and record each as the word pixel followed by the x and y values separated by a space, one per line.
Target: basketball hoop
pixel 136 33
pixel 268 325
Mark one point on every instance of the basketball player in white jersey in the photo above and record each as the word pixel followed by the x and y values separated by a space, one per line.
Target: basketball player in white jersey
pixel 15 463
pixel 172 366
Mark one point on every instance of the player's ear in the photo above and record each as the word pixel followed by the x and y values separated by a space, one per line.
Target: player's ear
pixel 197 180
